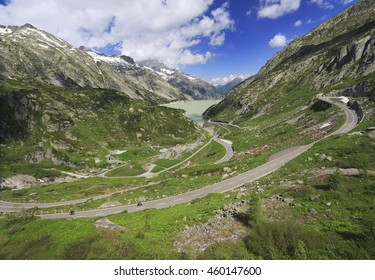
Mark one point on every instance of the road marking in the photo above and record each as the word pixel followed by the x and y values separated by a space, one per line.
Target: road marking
pixel 255 173
pixel 178 199
pixel 98 214
pixel 244 178
pixel 217 188
pixel 264 169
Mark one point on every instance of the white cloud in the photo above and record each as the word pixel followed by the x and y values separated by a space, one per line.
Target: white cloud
pixel 277 8
pixel 278 41
pixel 249 12
pixel 323 4
pixel 227 79
pixel 298 23
pixel 144 28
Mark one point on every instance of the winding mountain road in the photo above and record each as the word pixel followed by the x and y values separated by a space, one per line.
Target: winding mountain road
pixel 274 163
pixel 228 149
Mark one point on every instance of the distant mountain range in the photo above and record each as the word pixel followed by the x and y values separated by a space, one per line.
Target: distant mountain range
pixel 27 52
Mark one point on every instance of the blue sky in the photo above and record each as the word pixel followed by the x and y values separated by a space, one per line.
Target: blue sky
pixel 213 39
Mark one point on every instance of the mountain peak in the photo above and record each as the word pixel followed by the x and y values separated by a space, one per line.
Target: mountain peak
pixel 153 64
pixel 28 25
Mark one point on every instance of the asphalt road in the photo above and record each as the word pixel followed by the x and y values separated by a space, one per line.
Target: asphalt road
pixel 274 163
pixel 228 149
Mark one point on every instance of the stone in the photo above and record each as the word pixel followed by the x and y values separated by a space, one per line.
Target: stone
pixel 110 204
pixel 349 171
pixel 328 204
pixel 328 158
pixel 314 197
pixel 107 224
pixel 288 200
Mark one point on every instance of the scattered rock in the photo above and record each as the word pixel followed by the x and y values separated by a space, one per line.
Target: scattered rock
pixel 328 204
pixel 110 204
pixel 107 224
pixel 224 226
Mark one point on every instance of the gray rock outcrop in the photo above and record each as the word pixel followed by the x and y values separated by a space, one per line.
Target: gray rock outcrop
pixel 104 223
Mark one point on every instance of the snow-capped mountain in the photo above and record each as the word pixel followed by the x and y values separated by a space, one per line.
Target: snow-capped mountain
pixel 27 52
pixel 187 84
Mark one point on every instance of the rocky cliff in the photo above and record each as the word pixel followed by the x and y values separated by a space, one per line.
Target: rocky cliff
pixel 337 57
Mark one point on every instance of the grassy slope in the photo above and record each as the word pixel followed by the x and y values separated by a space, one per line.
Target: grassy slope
pixel 100 120
pixel 334 232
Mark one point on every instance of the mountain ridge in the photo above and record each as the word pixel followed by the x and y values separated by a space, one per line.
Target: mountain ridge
pixel 28 52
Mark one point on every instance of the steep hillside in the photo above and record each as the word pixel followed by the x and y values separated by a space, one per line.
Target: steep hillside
pixel 187 84
pixel 42 126
pixel 31 53
pixel 335 58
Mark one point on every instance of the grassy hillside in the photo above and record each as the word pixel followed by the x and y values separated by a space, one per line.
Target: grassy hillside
pixel 45 126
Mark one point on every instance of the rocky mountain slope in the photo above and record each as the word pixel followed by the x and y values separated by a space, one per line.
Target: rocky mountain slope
pixel 31 53
pixel 187 84
pixel 335 58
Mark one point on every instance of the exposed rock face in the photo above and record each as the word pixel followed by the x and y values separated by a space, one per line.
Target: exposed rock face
pixel 18 182
pixel 336 56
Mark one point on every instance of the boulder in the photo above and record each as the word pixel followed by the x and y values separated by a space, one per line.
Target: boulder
pixel 107 224
pixel 349 171
pixel 288 200
pixel 314 197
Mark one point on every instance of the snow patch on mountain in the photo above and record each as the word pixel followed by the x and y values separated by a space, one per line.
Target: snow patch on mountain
pixel 109 59
pixel 5 30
